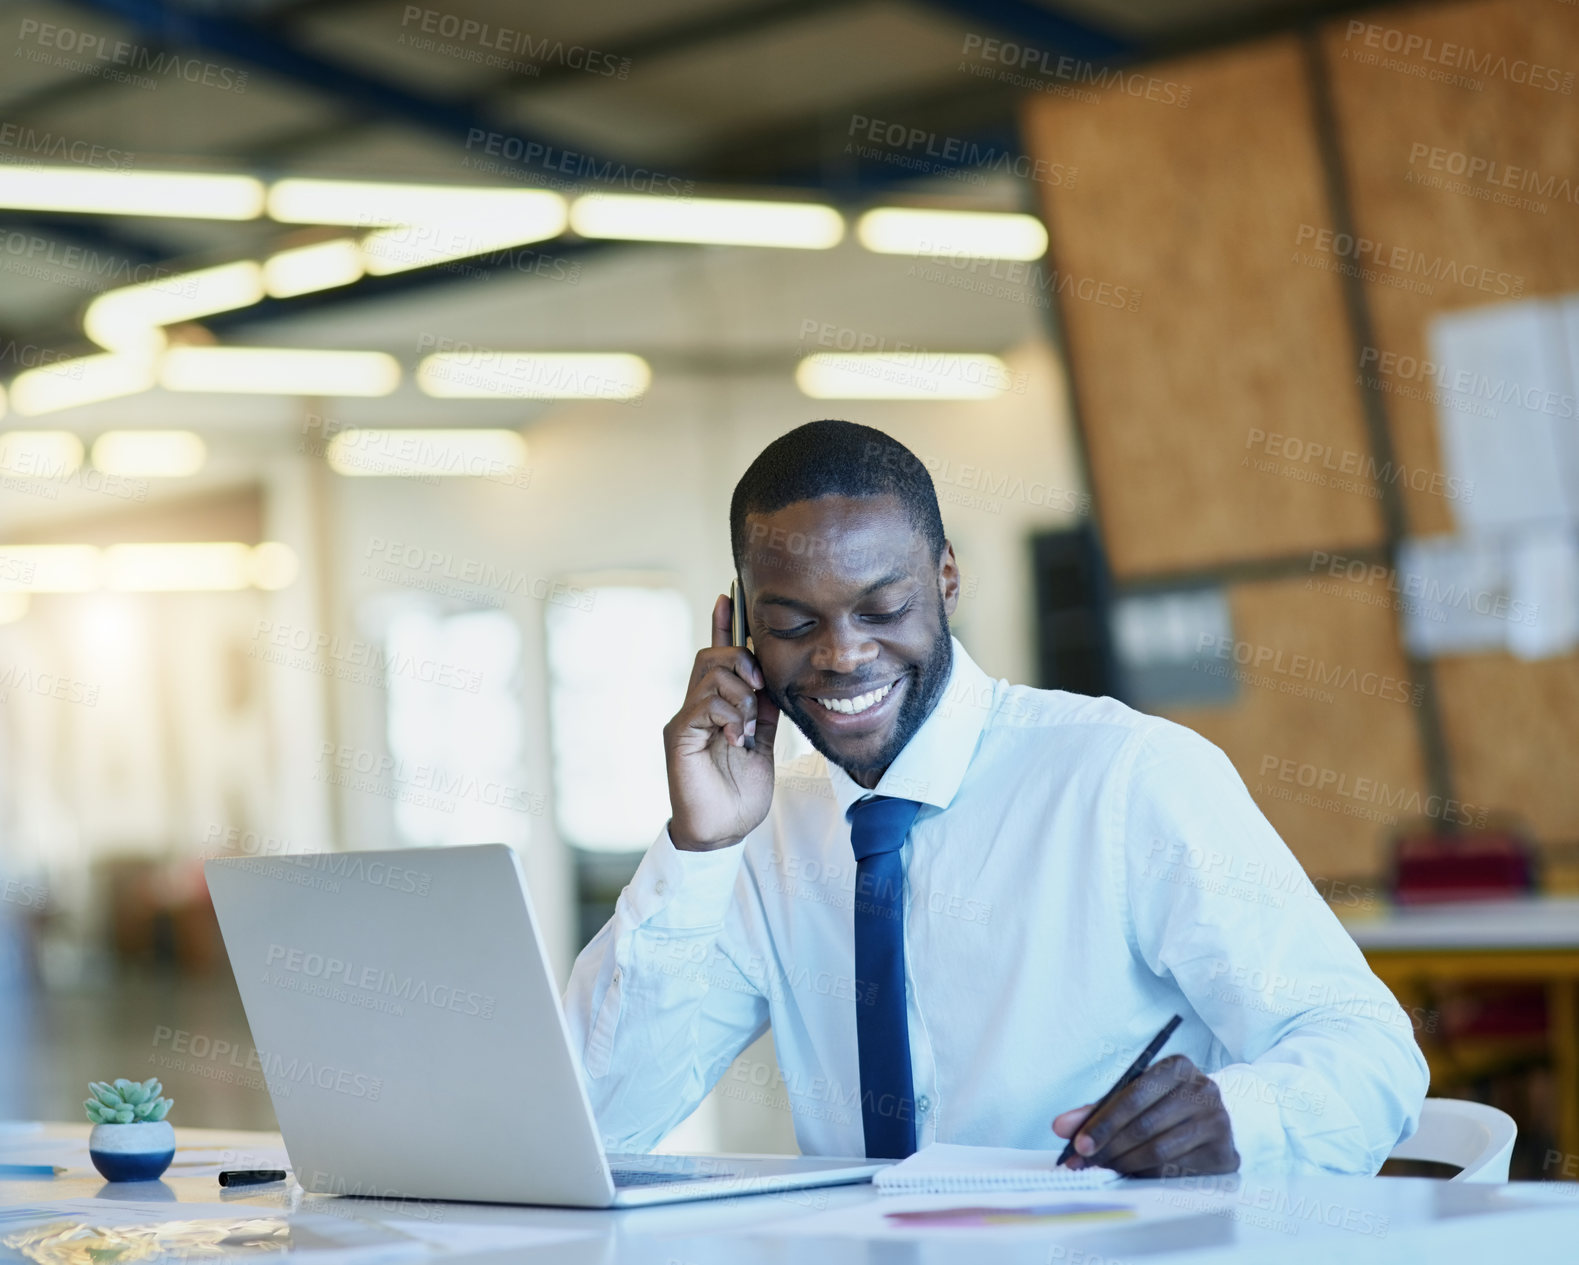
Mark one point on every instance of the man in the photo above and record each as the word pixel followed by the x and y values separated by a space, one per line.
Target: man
pixel 996 900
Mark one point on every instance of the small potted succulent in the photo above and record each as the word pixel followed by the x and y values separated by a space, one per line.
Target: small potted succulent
pixel 131 1139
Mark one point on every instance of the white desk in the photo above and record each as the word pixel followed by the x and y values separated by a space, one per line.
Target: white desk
pixel 1353 1220
pixel 1546 923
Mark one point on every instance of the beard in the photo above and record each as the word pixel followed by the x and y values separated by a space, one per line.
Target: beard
pixel 926 685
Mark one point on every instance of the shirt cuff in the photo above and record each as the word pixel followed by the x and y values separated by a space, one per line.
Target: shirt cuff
pixel 1255 1118
pixel 680 890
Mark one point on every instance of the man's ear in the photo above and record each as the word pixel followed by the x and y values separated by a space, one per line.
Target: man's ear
pixel 948 580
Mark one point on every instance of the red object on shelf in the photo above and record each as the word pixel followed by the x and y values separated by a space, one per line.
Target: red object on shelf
pixel 1493 865
pixel 1430 869
pixel 1510 1011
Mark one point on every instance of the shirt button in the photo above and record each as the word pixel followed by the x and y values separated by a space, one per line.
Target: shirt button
pixel 615 978
pixel 661 886
pixel 923 1104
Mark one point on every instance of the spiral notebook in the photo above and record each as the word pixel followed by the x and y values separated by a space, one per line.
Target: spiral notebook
pixel 944 1168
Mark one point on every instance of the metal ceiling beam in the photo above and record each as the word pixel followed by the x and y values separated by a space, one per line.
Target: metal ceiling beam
pixel 77 245
pixel 361 92
pixel 86 232
pixel 116 258
pixel 58 92
pixel 1041 27
pixel 812 154
pixel 733 21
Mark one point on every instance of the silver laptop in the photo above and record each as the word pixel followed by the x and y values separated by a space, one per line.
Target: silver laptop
pixel 412 1039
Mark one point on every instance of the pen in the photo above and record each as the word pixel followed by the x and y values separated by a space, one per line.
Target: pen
pixel 251 1176
pixel 1135 1069
pixel 31 1170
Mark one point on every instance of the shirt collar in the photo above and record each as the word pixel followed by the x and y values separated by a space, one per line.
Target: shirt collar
pixel 933 763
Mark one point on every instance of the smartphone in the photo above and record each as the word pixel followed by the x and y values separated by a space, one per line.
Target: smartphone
pixel 738 630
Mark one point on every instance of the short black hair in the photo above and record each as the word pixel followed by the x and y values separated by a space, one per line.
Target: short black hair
pixel 835 458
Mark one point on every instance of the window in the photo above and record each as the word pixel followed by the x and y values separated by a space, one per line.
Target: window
pixel 456 727
pixel 1174 647
pixel 618 664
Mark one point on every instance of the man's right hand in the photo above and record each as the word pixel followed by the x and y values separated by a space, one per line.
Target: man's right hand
pixel 718 790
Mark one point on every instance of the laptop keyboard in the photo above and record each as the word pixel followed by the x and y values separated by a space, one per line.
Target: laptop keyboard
pixel 660 1177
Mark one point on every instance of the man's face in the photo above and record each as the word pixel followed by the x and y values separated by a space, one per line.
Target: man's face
pixel 849 620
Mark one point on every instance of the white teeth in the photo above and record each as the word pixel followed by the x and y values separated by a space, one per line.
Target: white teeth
pixel 858 704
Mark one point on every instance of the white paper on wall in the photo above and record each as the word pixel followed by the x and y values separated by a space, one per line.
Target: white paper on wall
pixel 1543 579
pixel 1516 593
pixel 1450 589
pixel 1502 380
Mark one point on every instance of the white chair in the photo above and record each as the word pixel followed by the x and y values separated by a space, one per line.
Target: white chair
pixel 1477 1138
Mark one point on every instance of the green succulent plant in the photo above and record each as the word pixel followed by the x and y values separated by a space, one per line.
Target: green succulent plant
pixel 127 1102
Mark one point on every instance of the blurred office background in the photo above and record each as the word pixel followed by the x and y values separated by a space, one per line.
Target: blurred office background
pixel 377 374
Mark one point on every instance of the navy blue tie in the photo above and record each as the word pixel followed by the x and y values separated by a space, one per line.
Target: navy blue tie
pixel 877 831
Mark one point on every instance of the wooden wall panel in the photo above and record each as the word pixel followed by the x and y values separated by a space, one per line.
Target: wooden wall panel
pixel 1513 737
pixel 1383 114
pixel 1199 209
pixel 1332 695
pixel 1512 728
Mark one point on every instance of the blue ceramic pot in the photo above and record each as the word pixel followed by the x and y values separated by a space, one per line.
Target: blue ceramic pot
pixel 132 1152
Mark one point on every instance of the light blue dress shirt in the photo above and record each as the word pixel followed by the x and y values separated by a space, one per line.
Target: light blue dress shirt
pixel 1078 872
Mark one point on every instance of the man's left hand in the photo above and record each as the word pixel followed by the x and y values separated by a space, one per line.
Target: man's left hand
pixel 1169 1122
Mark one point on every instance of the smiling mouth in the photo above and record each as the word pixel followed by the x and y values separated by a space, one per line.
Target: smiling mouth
pixel 860 703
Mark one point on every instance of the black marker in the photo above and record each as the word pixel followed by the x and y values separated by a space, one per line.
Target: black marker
pixel 251 1176
pixel 1135 1069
